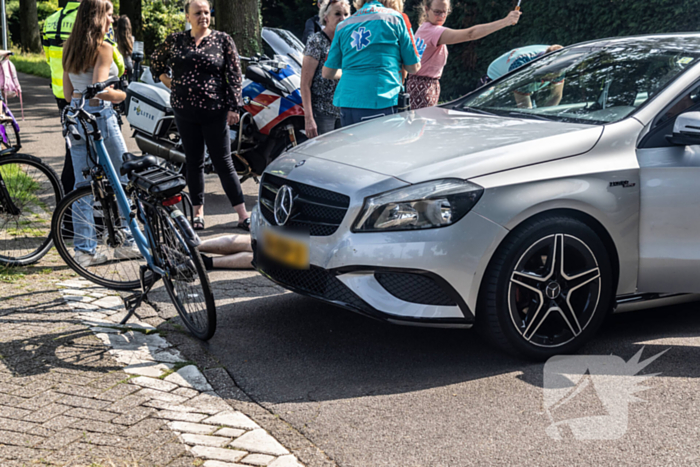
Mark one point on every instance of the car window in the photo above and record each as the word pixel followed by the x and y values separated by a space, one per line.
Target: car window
pixel 663 126
pixel 586 85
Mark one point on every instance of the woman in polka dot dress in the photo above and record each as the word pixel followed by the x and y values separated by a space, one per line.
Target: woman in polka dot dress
pixel 206 95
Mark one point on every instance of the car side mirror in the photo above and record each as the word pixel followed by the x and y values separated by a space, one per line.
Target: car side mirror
pixel 686 129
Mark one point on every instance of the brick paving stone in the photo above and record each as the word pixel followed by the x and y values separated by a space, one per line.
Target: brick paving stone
pixel 230 432
pixel 41 430
pixel 154 440
pixel 60 422
pixel 212 463
pixel 221 454
pixel 84 402
pixel 19 439
pixel 84 454
pixel 285 461
pixel 13 412
pixel 205 440
pixel 73 390
pixel 104 439
pixel 20 426
pixel 98 427
pixel 190 377
pixel 232 419
pixel 165 454
pixel 18 452
pixel 163 396
pixel 152 369
pixel 61 439
pixel 47 413
pixel 42 400
pixel 165 405
pixel 154 383
pixel 186 460
pixel 12 401
pixel 8 388
pixel 187 427
pixel 134 416
pixel 258 459
pixel 108 381
pixel 186 392
pixel 117 392
pixel 144 427
pixel 208 403
pixel 99 415
pixel 259 441
pixel 182 416
pixel 127 403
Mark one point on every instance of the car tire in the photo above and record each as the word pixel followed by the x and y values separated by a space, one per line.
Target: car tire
pixel 534 305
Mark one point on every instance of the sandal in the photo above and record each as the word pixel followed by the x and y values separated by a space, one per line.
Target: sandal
pixel 198 223
pixel 244 225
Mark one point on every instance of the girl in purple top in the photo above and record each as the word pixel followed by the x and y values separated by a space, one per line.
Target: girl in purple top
pixel 424 86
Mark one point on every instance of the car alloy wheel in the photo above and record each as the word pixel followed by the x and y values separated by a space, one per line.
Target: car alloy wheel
pixel 547 289
pixel 554 290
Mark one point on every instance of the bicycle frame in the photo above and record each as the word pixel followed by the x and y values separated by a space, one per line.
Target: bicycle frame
pixel 97 141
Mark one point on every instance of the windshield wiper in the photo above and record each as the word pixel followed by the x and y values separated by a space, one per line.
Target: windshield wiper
pixel 475 110
pixel 535 116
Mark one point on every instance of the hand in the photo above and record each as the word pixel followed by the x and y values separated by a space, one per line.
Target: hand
pixel 513 17
pixel 232 118
pixel 167 80
pixel 311 128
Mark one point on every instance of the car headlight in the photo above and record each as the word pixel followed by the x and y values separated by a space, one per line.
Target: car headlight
pixel 423 206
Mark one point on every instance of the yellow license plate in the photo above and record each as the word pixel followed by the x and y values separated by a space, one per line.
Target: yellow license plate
pixel 290 252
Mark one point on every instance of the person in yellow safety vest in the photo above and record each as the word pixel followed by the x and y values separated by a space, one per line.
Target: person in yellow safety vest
pixel 57 28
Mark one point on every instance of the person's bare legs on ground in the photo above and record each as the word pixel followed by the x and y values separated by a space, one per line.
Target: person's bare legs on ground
pixel 236 251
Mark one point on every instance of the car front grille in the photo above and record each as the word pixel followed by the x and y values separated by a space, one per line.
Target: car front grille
pixel 315 210
pixel 414 288
pixel 316 282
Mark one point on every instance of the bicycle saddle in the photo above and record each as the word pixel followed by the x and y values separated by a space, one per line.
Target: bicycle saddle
pixel 136 163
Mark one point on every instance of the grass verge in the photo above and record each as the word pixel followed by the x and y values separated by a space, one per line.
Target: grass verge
pixel 32 64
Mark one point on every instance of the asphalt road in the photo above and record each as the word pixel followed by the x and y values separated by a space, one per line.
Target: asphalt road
pixel 372 394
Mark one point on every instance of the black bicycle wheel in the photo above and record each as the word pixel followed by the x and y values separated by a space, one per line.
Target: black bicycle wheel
pixel 185 278
pixel 34 191
pixel 82 239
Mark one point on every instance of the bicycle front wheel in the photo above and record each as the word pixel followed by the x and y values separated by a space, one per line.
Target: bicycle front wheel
pixel 185 278
pixel 81 230
pixel 32 191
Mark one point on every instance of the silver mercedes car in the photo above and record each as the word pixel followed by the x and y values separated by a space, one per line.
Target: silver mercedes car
pixel 531 208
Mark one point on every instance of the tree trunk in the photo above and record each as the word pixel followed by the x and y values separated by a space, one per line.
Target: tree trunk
pixel 29 26
pixel 132 9
pixel 241 19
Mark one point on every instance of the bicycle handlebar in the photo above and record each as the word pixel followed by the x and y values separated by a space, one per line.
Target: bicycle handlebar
pixel 97 88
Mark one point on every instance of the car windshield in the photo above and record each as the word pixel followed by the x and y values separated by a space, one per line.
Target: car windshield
pixel 586 84
pixel 282 43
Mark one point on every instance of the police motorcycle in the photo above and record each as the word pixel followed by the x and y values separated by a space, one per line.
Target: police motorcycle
pixel 271 119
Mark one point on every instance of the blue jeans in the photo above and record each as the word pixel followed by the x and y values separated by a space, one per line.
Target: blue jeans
pixel 350 116
pixel 85 237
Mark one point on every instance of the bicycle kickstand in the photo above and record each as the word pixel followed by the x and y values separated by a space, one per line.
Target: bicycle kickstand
pixel 132 302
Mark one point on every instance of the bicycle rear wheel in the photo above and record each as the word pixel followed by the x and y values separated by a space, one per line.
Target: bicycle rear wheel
pixel 80 226
pixel 185 278
pixel 34 191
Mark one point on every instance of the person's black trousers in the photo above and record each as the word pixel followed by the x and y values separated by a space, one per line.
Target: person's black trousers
pixel 196 128
pixel 67 177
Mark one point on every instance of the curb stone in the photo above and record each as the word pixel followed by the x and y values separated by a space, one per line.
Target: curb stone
pixel 173 389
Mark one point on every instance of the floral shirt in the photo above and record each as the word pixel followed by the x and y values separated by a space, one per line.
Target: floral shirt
pixel 206 77
pixel 322 89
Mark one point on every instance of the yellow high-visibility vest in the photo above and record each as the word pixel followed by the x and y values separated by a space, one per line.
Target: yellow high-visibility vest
pixel 57 28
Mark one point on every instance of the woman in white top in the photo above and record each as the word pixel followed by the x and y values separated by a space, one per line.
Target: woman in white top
pixel 87 59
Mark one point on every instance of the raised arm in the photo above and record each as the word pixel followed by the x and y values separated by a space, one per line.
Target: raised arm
pixel 457 36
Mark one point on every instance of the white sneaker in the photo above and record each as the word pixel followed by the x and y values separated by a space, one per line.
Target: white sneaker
pixel 127 252
pixel 86 260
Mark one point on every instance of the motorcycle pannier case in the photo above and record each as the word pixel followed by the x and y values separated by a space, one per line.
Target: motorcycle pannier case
pixel 148 109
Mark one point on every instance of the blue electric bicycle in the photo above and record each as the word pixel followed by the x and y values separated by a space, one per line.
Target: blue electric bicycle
pixel 128 235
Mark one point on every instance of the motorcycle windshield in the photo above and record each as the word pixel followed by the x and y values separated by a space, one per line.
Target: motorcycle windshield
pixel 286 45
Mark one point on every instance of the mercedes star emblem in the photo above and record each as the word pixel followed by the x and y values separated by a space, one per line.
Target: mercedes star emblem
pixel 553 290
pixel 283 204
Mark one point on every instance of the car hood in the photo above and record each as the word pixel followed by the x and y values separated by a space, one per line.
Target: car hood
pixel 436 142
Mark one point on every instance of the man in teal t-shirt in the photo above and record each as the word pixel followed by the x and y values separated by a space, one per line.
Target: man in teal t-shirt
pixel 371 48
